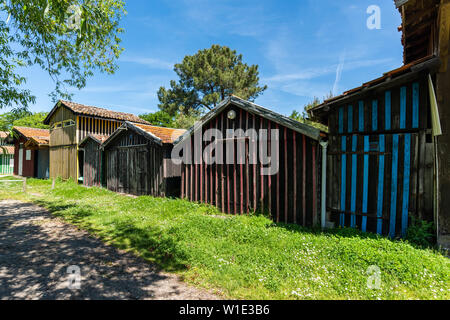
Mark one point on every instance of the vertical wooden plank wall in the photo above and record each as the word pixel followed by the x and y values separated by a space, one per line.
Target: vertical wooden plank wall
pixel 135 166
pixel 290 195
pixel 5 163
pixel 378 160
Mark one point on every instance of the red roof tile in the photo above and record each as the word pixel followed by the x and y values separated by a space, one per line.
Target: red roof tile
pixel 8 149
pixel 81 109
pixel 167 135
pixel 40 135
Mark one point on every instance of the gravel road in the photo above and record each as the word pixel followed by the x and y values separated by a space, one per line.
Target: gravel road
pixel 37 251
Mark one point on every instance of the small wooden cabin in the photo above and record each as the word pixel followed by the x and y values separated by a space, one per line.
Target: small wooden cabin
pixel 236 184
pixel 6 155
pixel 31 154
pixel 70 123
pixel 389 139
pixel 93 167
pixel 138 160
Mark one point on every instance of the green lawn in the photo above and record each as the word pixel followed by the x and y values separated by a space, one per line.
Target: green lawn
pixel 246 257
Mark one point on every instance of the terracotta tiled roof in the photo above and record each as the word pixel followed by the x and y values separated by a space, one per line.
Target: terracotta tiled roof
pixel 81 109
pixel 100 138
pixel 41 136
pixel 167 135
pixel 8 149
pixel 40 141
pixel 3 134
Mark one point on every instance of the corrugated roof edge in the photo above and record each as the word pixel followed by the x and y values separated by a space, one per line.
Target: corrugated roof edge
pixel 431 63
pixel 89 136
pixel 253 108
pixel 129 125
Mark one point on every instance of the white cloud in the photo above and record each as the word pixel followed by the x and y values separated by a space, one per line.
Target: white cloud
pixel 339 70
pixel 312 73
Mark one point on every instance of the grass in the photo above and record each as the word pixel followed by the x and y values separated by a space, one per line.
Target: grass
pixel 246 257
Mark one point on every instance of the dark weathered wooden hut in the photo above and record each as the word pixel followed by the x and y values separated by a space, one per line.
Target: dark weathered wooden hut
pixel 138 160
pixel 31 155
pixel 93 166
pixel 242 182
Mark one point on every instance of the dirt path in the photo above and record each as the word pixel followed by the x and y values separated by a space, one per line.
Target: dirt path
pixel 37 249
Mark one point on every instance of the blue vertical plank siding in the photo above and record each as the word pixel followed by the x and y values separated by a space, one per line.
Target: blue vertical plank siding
pixel 406 180
pixel 387 110
pixel 387 126
pixel 366 168
pixel 407 155
pixel 394 176
pixel 365 184
pixel 354 168
pixel 344 165
pixel 380 187
pixel 374 115
pixel 361 116
pixel 378 150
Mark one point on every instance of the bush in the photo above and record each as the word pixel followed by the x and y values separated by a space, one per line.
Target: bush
pixel 421 233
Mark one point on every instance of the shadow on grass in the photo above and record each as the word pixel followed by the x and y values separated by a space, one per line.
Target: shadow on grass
pixel 149 243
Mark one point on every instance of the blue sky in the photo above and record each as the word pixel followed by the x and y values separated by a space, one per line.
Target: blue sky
pixel 304 48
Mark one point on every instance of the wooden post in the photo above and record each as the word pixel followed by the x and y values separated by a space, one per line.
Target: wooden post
pixel 24 185
pixel 53 183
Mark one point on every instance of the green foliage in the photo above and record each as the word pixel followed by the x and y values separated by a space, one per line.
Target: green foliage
pixel 159 118
pixel 185 120
pixel 181 120
pixel 303 116
pixel 22 118
pixel 35 120
pixel 208 77
pixel 247 257
pixel 69 39
pixel 7 119
pixel 421 233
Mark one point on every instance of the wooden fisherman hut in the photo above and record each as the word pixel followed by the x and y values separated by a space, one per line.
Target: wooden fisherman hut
pixel 226 168
pixel 31 154
pixel 93 167
pixel 389 138
pixel 137 159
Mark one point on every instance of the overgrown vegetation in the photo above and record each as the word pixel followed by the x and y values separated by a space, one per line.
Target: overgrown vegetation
pixel 421 233
pixel 247 257
pixel 303 116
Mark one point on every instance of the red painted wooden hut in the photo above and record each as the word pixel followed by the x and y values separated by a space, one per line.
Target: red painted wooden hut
pixel 289 192
pixel 31 156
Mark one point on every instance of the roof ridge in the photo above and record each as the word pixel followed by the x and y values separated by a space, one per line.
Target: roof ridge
pixel 91 106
